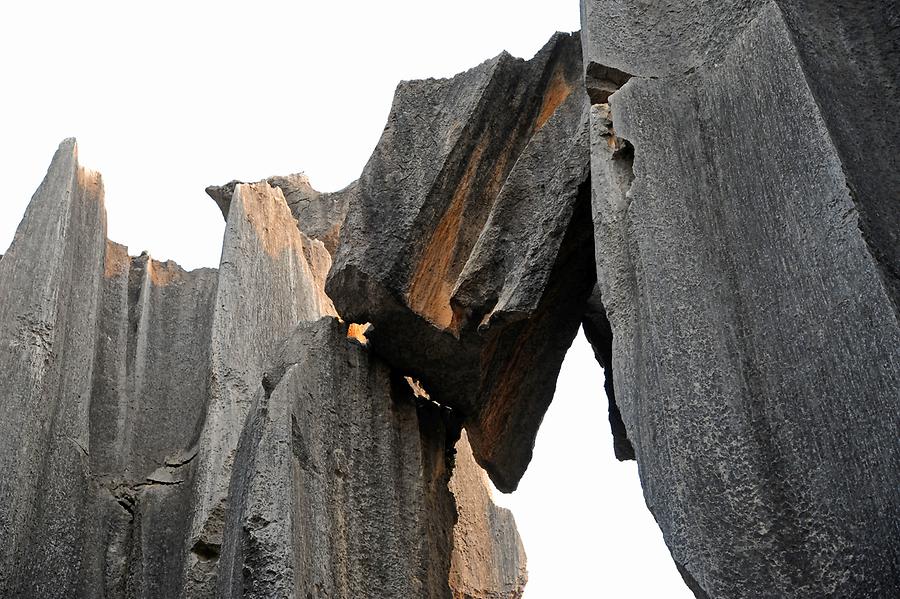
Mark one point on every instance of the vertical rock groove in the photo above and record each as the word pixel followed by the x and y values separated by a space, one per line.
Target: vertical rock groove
pixel 754 334
pixel 709 188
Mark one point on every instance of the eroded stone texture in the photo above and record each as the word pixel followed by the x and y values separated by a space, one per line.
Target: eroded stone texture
pixel 346 485
pixel 49 293
pixel 488 557
pixel 746 262
pixel 156 422
pixel 151 376
pixel 266 286
pixel 148 400
pixel 319 215
pixel 105 386
pixel 468 244
pixel 159 437
pixel 849 51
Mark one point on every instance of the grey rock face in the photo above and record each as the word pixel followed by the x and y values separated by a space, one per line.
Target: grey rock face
pixel 206 434
pixel 747 264
pixel 149 395
pixel 848 51
pixel 49 295
pixel 104 387
pixel 266 286
pixel 468 244
pixel 346 485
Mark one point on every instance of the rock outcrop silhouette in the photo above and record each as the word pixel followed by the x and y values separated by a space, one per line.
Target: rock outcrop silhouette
pixel 710 189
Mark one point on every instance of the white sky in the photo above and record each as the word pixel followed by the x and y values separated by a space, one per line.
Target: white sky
pixel 166 98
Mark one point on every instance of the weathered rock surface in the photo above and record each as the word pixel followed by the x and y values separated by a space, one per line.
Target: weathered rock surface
pixel 148 399
pixel 468 243
pixel 270 279
pixel 319 215
pixel 366 510
pixel 746 209
pixel 712 192
pixel 208 433
pixel 49 296
pixel 105 385
pixel 488 561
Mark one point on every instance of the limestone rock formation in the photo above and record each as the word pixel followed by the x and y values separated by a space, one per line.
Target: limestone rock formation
pixel 212 433
pixel 709 188
pixel 344 490
pixel 319 215
pixel 49 297
pixel 269 280
pixel 104 387
pixel 468 247
pixel 488 562
pixel 747 219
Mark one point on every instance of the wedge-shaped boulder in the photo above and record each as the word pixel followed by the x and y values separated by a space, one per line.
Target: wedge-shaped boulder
pixel 746 251
pixel 467 243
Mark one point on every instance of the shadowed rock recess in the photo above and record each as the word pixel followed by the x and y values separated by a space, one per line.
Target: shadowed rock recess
pixel 710 189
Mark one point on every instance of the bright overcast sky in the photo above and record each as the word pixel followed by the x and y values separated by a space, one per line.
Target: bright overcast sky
pixel 166 98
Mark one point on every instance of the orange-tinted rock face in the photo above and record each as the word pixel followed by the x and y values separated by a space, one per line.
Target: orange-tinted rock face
pixel 318 215
pixel 488 557
pixel 463 226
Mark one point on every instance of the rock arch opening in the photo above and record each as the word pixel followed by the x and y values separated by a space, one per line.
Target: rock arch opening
pixel 729 260
pixel 580 511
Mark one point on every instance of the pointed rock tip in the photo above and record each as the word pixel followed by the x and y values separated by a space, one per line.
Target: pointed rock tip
pixel 221 195
pixel 67 147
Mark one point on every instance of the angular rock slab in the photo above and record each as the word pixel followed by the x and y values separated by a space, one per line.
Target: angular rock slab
pixel 342 484
pixel 468 243
pixel 746 263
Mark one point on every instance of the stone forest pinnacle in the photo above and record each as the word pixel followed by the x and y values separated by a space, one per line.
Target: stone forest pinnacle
pixel 710 188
